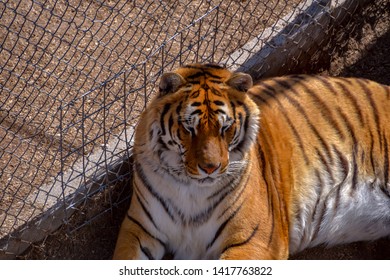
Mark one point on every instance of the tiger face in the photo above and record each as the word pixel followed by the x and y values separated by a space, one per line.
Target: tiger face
pixel 209 183
pixel 204 126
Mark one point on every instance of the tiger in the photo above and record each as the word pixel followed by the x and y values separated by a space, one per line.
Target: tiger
pixel 225 169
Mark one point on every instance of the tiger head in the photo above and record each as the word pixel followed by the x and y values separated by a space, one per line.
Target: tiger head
pixel 201 124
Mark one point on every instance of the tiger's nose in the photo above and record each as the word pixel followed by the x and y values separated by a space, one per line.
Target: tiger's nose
pixel 209 168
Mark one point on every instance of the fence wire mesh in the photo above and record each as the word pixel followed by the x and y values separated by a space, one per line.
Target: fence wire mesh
pixel 75 76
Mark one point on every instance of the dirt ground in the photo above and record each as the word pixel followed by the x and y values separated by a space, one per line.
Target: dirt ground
pixel 55 55
pixel 366 54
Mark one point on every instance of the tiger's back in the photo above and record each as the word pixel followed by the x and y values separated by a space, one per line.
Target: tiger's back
pixel 339 131
pixel 224 169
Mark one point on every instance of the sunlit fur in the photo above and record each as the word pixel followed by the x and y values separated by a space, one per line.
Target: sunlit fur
pixel 224 169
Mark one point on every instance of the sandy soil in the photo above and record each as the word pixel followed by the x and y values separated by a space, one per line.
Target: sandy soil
pixel 60 83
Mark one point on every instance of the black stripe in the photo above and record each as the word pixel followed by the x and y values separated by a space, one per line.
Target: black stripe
pixel 222 227
pixel 143 249
pixel 213 65
pixel 321 219
pixel 243 242
pixel 386 163
pixel 289 122
pixel 259 98
pixel 324 109
pixel 385 190
pixel 203 66
pixel 196 112
pixel 215 92
pixel 151 132
pixel 372 154
pixel 264 175
pixel 355 150
pixel 349 127
pixel 193 66
pixel 298 224
pixel 165 110
pixel 203 73
pixel 179 136
pixel 344 164
pixel 301 110
pixel 170 125
pixel 215 81
pixel 270 201
pixel 147 252
pixel 220 111
pixel 146 183
pixel 194 76
pixel 146 211
pixel 222 193
pixel 208 73
pixel 139 193
pixel 178 108
pixel 238 132
pixel 324 209
pixel 353 100
pixel 234 139
pixel 192 131
pixel 195 94
pixel 387 91
pixel 318 190
pixel 237 198
pixel 355 171
pixel 244 126
pixel 324 162
pixel 233 108
pixel 196 104
pixel 218 103
pixel 144 230
pixel 206 214
pixel 234 133
pixel 369 93
pixel 247 116
pixel 299 77
pixel 163 147
pixel 343 161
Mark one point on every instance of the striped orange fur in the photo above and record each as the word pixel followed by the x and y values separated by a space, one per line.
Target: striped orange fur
pixel 227 170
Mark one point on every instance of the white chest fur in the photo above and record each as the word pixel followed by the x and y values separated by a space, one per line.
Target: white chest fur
pixel 348 215
pixel 186 216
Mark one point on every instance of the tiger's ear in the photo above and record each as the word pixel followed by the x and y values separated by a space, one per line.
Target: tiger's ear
pixel 240 81
pixel 170 82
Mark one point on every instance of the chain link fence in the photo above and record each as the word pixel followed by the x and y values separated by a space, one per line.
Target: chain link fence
pixel 75 76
